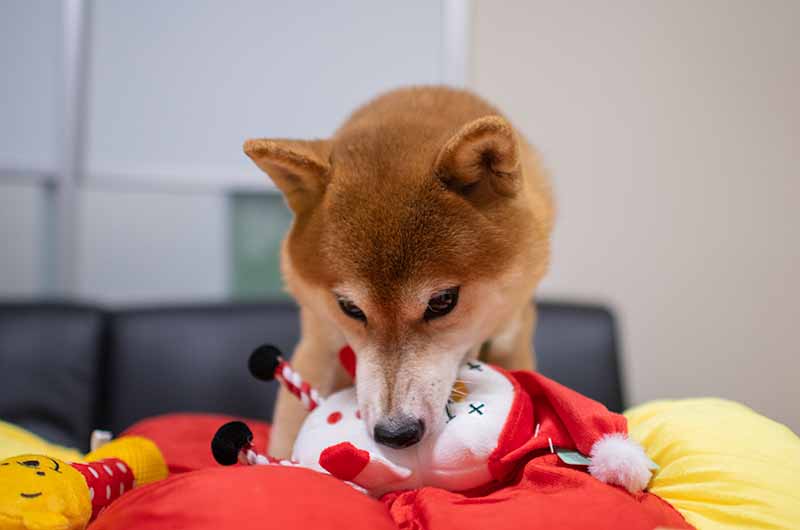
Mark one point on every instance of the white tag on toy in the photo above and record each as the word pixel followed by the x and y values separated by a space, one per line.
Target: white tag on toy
pixel 99 439
pixel 574 458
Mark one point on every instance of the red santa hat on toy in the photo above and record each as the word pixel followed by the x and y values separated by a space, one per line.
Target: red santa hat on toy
pixel 582 432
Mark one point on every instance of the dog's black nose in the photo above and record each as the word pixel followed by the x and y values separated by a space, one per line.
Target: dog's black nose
pixel 398 432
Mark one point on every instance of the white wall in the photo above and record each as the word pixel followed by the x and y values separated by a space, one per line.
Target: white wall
pixel 144 247
pixel 178 86
pixel 30 37
pixel 672 129
pixel 21 230
pixel 174 88
pixel 29 54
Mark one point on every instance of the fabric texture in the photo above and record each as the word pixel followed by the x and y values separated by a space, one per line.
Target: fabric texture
pixel 141 455
pixel 107 480
pixel 50 353
pixel 723 466
pixel 246 498
pixel 547 494
pixel 616 459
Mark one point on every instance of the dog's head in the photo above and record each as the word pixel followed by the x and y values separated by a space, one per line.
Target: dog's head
pixel 418 244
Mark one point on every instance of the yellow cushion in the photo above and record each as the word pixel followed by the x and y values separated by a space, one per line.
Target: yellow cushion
pixel 17 441
pixel 723 466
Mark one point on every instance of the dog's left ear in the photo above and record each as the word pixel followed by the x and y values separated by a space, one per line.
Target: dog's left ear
pixel 483 153
pixel 299 168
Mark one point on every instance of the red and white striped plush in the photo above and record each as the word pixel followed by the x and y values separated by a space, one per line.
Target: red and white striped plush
pixel 294 383
pixel 107 479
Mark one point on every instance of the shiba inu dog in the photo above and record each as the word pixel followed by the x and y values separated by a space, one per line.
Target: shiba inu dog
pixel 421 230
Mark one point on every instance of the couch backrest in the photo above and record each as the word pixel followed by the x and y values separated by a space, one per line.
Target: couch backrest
pixel 65 369
pixel 193 358
pixel 50 356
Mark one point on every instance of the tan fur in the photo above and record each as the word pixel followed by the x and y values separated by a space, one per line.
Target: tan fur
pixel 421 189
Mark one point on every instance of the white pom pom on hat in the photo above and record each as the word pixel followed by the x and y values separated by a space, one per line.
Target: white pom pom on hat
pixel 618 460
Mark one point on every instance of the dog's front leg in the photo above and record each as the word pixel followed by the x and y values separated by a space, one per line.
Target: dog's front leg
pixel 315 358
pixel 512 346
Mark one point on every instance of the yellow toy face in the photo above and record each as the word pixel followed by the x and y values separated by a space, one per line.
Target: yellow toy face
pixel 39 492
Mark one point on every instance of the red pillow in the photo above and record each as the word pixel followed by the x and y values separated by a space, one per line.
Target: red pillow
pixel 185 439
pixel 244 498
pixel 545 494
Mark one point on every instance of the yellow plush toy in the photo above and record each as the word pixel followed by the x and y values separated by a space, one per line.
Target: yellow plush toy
pixel 40 492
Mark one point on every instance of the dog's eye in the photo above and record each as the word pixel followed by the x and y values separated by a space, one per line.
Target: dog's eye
pixel 441 303
pixel 352 310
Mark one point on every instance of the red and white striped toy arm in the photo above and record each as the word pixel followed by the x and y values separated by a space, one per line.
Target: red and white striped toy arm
pixel 107 480
pixel 233 443
pixel 252 458
pixel 290 379
pixel 115 467
pixel 266 363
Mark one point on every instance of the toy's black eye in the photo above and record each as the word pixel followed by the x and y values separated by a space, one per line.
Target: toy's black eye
pixel 350 309
pixel 441 303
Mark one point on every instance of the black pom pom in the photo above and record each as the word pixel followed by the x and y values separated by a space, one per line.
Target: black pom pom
pixel 229 440
pixel 264 361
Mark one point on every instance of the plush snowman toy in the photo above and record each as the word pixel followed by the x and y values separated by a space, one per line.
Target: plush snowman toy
pixel 488 426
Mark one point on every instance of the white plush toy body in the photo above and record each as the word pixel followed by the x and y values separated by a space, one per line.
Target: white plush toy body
pixel 490 424
pixel 454 456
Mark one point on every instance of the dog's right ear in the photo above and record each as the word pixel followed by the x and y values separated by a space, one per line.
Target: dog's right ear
pixel 482 158
pixel 299 168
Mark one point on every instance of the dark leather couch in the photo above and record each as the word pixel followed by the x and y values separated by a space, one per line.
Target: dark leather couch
pixel 67 368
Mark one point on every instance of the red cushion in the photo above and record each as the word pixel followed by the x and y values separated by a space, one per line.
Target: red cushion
pixel 546 494
pixel 185 439
pixel 244 498
pixel 258 497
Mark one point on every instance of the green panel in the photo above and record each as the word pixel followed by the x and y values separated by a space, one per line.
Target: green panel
pixel 258 223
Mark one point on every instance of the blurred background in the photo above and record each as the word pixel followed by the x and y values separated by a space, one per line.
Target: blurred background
pixel 672 130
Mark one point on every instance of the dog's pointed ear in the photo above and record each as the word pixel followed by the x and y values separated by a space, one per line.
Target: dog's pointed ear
pixel 299 168
pixel 482 155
